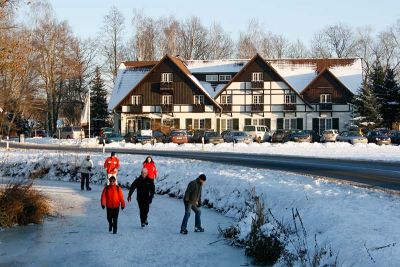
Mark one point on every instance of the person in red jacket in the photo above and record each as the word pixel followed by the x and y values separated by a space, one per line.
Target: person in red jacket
pixel 112 165
pixel 151 168
pixel 112 198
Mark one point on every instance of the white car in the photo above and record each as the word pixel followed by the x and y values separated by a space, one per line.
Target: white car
pixel 329 135
pixel 69 132
pixel 352 137
pixel 259 133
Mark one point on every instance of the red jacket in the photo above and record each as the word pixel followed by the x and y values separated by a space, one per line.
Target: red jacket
pixel 112 197
pixel 111 164
pixel 151 168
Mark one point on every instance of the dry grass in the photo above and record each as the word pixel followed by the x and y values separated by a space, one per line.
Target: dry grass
pixel 21 204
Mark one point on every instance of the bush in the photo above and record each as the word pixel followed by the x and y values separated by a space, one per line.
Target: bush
pixel 21 204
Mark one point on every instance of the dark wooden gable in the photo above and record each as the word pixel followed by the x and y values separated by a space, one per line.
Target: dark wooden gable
pixel 327 83
pixel 258 65
pixel 183 90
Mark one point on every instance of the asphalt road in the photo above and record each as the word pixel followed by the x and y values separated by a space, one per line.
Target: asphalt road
pixel 370 173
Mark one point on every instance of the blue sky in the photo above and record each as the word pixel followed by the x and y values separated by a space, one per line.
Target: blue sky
pixel 292 18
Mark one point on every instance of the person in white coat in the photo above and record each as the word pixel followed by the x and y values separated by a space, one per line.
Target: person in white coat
pixel 86 168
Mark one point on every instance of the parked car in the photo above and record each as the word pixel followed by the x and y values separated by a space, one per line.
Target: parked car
pixel 224 133
pixel 279 135
pixel 259 133
pixel 137 137
pixel 238 137
pixel 39 133
pixel 352 137
pixel 378 138
pixel 315 137
pixel 198 135
pixel 68 132
pixel 395 136
pixel 111 138
pixel 177 137
pixel 329 135
pixel 298 136
pixel 159 136
pixel 212 138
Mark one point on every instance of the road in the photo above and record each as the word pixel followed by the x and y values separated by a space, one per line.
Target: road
pixel 371 173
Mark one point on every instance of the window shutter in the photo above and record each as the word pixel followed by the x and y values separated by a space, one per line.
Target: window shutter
pixel 208 124
pixel 300 123
pixel 218 125
pixel 247 121
pixel 235 123
pixel 279 123
pixel 315 125
pixel 335 123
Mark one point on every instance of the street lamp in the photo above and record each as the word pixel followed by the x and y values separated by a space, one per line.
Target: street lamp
pixel 89 113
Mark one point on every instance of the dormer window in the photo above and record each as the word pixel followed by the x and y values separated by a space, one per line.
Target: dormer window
pixel 290 99
pixel 166 77
pixel 199 99
pixel 136 100
pixel 257 77
pixel 325 98
pixel 212 78
pixel 225 78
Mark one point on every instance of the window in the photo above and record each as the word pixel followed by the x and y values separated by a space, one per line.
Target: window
pixel 166 100
pixel 136 100
pixel 199 123
pixel 166 77
pixel 226 124
pixel 257 77
pixel 290 123
pixel 258 99
pixel 212 78
pixel 226 99
pixel 199 99
pixel 325 98
pixel 290 99
pixel 325 124
pixel 225 77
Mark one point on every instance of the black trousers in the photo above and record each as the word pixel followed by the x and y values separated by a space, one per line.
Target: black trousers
pixel 112 217
pixel 85 178
pixel 144 207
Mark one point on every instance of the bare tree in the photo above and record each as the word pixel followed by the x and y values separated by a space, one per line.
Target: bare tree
pixel 146 34
pixel 220 44
pixel 365 48
pixel 297 50
pixel 112 41
pixel 168 36
pixel 192 38
pixel 250 41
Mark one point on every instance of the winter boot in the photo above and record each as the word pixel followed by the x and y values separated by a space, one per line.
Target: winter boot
pixel 146 222
pixel 143 225
pixel 184 231
pixel 199 229
pixel 110 227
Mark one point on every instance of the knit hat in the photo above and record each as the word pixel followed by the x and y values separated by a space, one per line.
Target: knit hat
pixel 202 177
pixel 112 154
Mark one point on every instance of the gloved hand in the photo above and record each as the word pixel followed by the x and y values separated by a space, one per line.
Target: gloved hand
pixel 103 207
pixel 122 208
pixel 89 169
pixel 129 199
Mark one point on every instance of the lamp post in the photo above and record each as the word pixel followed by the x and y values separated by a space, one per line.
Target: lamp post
pixel 89 113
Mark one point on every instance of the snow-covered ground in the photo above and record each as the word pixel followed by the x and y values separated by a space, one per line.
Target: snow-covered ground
pixel 361 225
pixel 323 150
pixel 81 238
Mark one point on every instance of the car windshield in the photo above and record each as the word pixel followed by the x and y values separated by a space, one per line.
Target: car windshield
pixel 239 134
pixel 113 135
pixel 76 128
pixel 178 133
pixel 354 134
pixel 211 134
pixel 249 128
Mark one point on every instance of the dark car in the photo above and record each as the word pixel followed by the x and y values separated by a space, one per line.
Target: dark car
pixel 315 137
pixel 198 135
pixel 212 138
pixel 159 136
pixel 111 138
pixel 395 137
pixel 177 137
pixel 279 135
pixel 137 137
pixel 297 136
pixel 39 133
pixel 223 133
pixel 378 138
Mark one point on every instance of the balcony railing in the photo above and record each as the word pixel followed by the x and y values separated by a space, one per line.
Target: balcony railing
pixel 134 109
pixel 257 84
pixel 166 86
pixel 198 108
pixel 226 108
pixel 289 107
pixel 167 108
pixel 257 107
pixel 325 106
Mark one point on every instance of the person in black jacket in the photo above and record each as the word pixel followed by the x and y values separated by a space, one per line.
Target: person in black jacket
pixel 145 193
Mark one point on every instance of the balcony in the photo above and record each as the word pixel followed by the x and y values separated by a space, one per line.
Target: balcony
pixel 325 106
pixel 134 109
pixel 166 86
pixel 198 108
pixel 289 107
pixel 226 108
pixel 167 108
pixel 257 107
pixel 257 84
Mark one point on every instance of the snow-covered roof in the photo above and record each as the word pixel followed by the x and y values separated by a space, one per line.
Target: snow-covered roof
pixel 215 66
pixel 206 87
pixel 300 75
pixel 127 79
pixel 212 91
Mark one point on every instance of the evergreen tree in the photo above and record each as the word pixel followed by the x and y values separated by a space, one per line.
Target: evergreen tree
pixel 366 108
pixel 98 102
pixel 390 100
